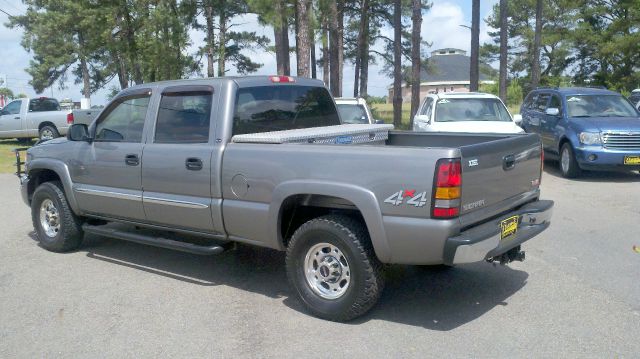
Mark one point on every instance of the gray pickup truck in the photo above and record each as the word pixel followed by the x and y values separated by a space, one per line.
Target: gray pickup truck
pixel 199 165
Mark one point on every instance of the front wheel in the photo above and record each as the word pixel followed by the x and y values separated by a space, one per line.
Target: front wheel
pixel 57 227
pixel 568 163
pixel 333 268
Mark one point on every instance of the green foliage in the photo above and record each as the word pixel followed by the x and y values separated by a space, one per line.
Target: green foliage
pixel 7 93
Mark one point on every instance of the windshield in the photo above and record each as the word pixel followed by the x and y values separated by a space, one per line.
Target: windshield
pixel 352 113
pixel 599 106
pixel 277 108
pixel 471 109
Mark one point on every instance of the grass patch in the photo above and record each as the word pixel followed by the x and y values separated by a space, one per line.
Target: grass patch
pixel 384 111
pixel 7 157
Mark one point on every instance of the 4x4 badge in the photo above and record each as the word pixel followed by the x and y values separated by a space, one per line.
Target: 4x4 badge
pixel 417 200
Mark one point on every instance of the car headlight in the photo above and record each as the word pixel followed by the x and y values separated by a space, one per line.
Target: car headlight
pixel 590 138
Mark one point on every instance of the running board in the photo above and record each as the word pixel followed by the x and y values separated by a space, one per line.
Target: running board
pixel 153 241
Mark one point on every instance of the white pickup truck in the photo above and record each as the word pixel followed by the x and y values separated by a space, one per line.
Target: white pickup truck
pixel 40 117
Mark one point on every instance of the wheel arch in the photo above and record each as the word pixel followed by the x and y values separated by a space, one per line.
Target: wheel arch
pixel 47 123
pixel 322 198
pixel 41 171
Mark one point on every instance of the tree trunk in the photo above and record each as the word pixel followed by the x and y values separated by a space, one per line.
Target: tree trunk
pixel 364 64
pixel 325 52
pixel 210 39
pixel 340 41
pixel 222 42
pixel 334 52
pixel 535 66
pixel 312 39
pixel 416 39
pixel 397 63
pixel 132 48
pixel 362 36
pixel 474 71
pixel 84 68
pixel 302 38
pixel 503 50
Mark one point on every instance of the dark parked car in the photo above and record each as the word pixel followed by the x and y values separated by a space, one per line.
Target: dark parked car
pixel 584 128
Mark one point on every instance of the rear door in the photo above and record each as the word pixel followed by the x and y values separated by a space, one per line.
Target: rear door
pixel 176 166
pixel 498 173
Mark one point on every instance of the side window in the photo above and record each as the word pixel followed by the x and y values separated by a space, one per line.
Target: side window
pixel 124 121
pixel 428 106
pixel 184 117
pixel 555 103
pixel 12 108
pixel 541 102
pixel 530 100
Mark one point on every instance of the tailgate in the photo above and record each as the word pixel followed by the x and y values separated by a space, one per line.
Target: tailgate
pixel 498 175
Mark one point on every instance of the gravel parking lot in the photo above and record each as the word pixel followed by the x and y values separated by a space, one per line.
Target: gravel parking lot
pixel 577 294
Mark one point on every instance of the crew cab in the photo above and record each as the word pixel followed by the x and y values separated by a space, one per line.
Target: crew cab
pixel 585 128
pixel 472 112
pixel 200 165
pixel 26 118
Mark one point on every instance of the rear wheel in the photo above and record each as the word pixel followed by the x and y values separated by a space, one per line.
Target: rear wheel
pixel 333 268
pixel 48 132
pixel 568 164
pixel 57 227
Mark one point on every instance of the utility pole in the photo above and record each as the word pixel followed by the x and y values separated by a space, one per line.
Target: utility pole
pixel 474 71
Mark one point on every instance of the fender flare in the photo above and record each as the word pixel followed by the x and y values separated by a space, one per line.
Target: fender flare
pixel 62 170
pixel 365 201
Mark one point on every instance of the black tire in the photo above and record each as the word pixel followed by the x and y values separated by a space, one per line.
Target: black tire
pixel 47 131
pixel 572 168
pixel 69 234
pixel 351 237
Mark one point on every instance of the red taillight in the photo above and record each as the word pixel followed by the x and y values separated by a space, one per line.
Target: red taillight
pixel 70 118
pixel 447 189
pixel 282 79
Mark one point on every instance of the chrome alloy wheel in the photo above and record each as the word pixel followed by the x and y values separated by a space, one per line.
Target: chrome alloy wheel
pixel 49 218
pixel 327 271
pixel 564 160
pixel 46 134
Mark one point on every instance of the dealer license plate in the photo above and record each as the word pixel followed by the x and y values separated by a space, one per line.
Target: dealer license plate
pixel 632 160
pixel 509 226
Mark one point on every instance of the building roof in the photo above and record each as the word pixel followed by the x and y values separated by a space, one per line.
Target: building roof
pixel 449 67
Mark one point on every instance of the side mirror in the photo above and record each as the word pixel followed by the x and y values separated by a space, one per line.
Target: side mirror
pixel 379 122
pixel 422 118
pixel 517 118
pixel 78 132
pixel 552 111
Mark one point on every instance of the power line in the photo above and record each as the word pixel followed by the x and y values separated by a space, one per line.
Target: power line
pixel 9 15
pixel 11 5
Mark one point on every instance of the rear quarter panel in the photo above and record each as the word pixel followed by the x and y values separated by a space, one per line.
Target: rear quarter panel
pixel 364 175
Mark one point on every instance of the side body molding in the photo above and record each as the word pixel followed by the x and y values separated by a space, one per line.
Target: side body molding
pixel 363 199
pixel 61 169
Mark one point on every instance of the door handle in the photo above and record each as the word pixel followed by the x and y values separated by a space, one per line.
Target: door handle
pixel 193 164
pixel 508 162
pixel 132 160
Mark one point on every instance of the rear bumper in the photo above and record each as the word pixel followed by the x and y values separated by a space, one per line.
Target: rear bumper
pixel 483 241
pixel 604 159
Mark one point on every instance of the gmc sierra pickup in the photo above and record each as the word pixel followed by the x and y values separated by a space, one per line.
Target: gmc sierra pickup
pixel 198 165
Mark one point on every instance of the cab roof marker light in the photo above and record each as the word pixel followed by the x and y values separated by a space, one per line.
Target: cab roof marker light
pixel 282 79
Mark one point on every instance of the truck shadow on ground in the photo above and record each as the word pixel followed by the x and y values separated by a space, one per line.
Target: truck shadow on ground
pixel 436 298
pixel 552 168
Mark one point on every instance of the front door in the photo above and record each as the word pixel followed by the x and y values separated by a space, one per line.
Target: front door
pixel 107 172
pixel 550 123
pixel 10 120
pixel 176 165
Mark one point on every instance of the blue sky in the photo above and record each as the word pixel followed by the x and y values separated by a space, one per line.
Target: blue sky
pixel 440 27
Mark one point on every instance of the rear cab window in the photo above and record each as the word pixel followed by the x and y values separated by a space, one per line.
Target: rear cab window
pixel 43 104
pixel 283 107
